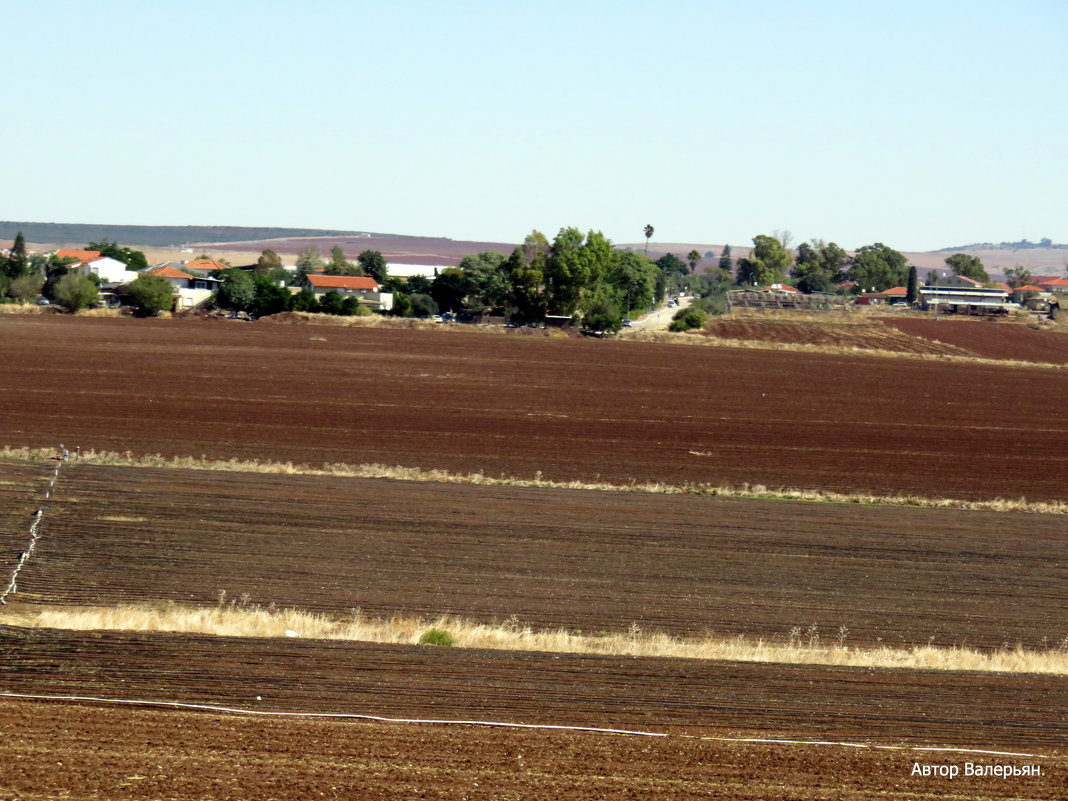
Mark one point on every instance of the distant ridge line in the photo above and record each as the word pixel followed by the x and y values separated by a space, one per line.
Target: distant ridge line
pixel 159 235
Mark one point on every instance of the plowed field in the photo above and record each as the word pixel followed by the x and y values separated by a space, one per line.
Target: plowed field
pixel 523 406
pixel 132 753
pixel 584 560
pixel 988 339
pixel 978 710
pixel 866 336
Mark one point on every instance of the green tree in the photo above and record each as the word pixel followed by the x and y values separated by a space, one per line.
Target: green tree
pixel 526 279
pixel 270 297
pixel 350 307
pixel 649 230
pixel 1018 276
pixel 305 301
pixel 75 292
pixel 338 264
pixel 25 288
pixel 330 302
pixel 913 286
pixel 269 262
pixel 450 289
pixel 309 260
pixel 968 266
pixel 488 280
pixel 600 313
pixel 726 263
pixel 373 264
pixel 693 258
pixel 674 270
pixel 402 305
pixel 634 278
pixel 134 259
pixel 423 305
pixel 766 264
pixel 819 266
pixel 16 264
pixel 237 291
pixel 877 267
pixel 419 285
pixel 150 294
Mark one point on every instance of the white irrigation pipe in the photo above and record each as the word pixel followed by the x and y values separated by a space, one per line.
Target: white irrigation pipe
pixel 507 725
pixel 12 585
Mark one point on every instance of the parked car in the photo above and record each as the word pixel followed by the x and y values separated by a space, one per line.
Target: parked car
pixel 627 323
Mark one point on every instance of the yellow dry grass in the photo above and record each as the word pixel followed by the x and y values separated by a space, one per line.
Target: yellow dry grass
pixel 402 473
pixel 699 339
pixel 242 620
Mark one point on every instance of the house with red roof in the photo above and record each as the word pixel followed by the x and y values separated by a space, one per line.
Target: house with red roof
pixel 91 262
pixel 190 290
pixel 363 287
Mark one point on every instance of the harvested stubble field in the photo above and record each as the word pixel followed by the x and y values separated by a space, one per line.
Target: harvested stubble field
pixel 584 560
pixel 527 406
pixel 137 753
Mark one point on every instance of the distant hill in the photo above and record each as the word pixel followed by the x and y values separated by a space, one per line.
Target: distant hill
pixel 1044 244
pixel 166 236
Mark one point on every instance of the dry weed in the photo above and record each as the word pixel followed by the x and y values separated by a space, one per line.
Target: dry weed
pixel 239 618
pixel 401 473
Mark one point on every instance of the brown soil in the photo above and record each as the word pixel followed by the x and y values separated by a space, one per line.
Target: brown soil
pixel 988 338
pixel 973 710
pixel 584 560
pixel 524 406
pixel 866 336
pixel 63 750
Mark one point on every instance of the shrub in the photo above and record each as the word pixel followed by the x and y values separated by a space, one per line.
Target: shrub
pixel 688 319
pixel 25 288
pixel 437 637
pixel 75 292
pixel 150 295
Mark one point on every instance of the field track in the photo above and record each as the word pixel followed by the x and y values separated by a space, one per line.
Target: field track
pixel 526 406
pixel 584 560
pixel 132 753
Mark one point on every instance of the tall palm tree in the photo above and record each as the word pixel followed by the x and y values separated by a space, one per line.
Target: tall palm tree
pixel 648 235
pixel 694 258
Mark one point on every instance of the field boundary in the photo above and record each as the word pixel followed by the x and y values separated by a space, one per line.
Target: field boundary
pixel 508 725
pixel 800 647
pixel 702 339
pixel 403 473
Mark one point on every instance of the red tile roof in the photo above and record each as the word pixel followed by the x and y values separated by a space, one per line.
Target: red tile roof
pixel 166 271
pixel 896 291
pixel 1054 282
pixel 1028 288
pixel 79 255
pixel 782 288
pixel 205 265
pixel 342 282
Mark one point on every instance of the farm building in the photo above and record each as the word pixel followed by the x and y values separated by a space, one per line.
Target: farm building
pixel 957 294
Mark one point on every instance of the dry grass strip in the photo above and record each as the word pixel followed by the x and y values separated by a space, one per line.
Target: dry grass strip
pixel 238 618
pixel 700 339
pixel 395 472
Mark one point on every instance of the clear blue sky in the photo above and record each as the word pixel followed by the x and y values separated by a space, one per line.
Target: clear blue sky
pixel 921 124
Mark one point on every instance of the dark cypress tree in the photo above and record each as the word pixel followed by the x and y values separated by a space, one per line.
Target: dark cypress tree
pixel 913 293
pixel 16 262
pixel 725 261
